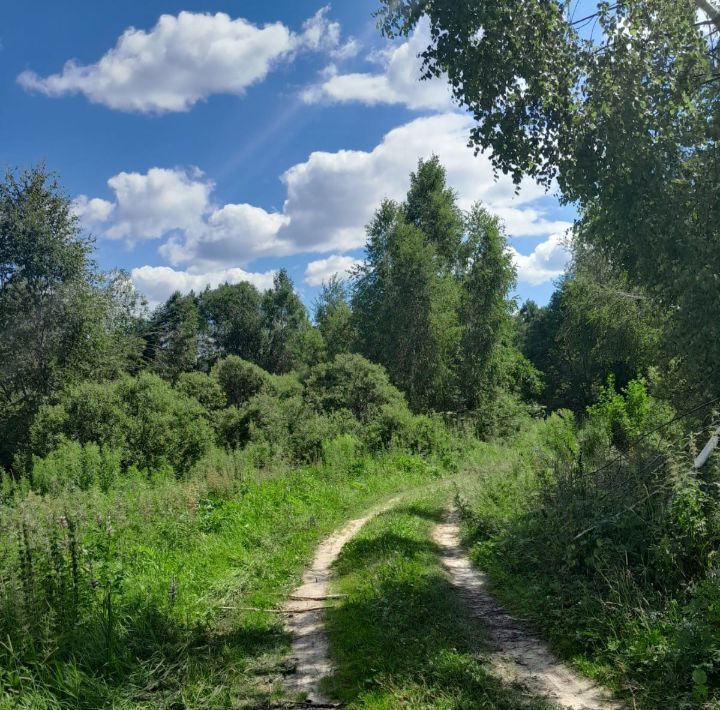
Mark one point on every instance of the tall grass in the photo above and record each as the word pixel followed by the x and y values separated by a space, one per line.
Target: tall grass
pixel 601 536
pixel 159 593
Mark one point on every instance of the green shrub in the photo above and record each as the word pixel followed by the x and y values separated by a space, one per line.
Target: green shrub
pixel 284 386
pixel 232 428
pixel 240 380
pixel 203 388
pixel 143 417
pixel 342 453
pixel 351 382
pixel 165 426
pixel 223 471
pixel 75 465
pixel 310 432
pixel 558 436
pixel 620 542
pixel 626 415
pixel 270 420
pixel 396 426
pixel 87 412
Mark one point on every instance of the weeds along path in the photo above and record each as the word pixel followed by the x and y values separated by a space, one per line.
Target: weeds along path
pixel 519 657
pixel 305 610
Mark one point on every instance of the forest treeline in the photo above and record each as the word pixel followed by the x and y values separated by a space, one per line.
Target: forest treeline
pixel 431 304
pixel 430 307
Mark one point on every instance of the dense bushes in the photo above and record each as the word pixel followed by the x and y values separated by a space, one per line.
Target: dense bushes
pixel 153 425
pixel 96 433
pixel 240 380
pixel 603 536
pixel 353 383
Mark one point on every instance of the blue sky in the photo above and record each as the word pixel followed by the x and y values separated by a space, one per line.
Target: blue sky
pixel 211 141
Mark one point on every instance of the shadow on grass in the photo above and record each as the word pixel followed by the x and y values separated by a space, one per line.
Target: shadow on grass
pixel 155 660
pixel 403 638
pixel 417 510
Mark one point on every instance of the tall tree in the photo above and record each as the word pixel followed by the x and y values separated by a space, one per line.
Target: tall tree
pixel 333 317
pixel 432 207
pixel 485 309
pixel 286 328
pixel 53 311
pixel 405 309
pixel 173 336
pixel 233 316
pixel 431 301
pixel 625 118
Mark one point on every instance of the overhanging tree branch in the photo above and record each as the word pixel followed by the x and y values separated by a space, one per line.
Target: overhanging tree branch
pixel 708 7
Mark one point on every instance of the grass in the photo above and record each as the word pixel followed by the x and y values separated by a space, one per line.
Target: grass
pixel 185 561
pixel 402 638
pixel 600 604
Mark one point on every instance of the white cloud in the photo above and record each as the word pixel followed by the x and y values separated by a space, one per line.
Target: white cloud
pixel 319 33
pixel 322 270
pixel 232 234
pixel 330 198
pixel 185 59
pixel 397 83
pixel 149 205
pixel 348 50
pixel 528 222
pixel 158 283
pixel 92 212
pixel 545 263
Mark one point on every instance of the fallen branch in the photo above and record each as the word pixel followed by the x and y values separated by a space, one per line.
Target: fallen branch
pixel 275 611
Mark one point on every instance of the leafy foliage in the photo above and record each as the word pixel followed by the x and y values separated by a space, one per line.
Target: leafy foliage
pixel 621 108
pixel 617 540
pixel 352 383
pixel 333 316
pixel 60 322
pixel 431 300
pixel 153 425
pixel 597 325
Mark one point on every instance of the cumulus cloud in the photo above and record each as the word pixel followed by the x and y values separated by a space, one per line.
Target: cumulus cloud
pixel 329 199
pixel 332 196
pixel 528 222
pixel 184 59
pixel 233 233
pixel 158 283
pixel 545 263
pixel 398 81
pixel 322 270
pixel 92 212
pixel 149 205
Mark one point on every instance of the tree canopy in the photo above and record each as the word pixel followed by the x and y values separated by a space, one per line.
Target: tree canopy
pixel 618 108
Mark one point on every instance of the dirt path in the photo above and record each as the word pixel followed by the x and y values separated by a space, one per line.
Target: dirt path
pixel 305 613
pixel 519 658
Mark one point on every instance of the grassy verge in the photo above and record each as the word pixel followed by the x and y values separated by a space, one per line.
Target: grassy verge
pixel 167 576
pixel 592 582
pixel 402 638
